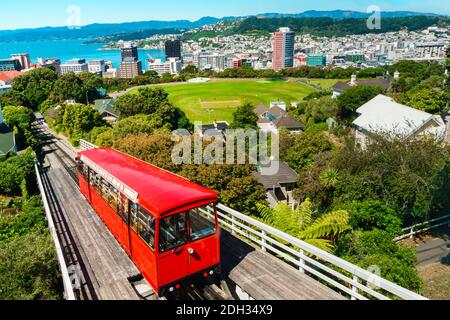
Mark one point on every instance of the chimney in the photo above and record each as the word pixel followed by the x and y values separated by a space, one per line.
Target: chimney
pixel 353 81
pixel 396 75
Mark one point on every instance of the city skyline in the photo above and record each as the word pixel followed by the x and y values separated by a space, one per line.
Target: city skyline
pixel 44 13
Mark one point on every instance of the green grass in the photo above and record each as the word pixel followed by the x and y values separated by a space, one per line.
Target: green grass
pixel 326 83
pixel 222 98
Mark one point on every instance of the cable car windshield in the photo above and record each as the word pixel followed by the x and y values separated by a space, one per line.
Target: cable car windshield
pixel 202 222
pixel 173 232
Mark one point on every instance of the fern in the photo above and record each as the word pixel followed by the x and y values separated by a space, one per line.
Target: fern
pixel 332 223
pixel 323 244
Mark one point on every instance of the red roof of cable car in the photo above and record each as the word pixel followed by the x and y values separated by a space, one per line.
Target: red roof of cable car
pixel 159 191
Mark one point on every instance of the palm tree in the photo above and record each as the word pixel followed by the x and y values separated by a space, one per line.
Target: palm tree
pixel 320 232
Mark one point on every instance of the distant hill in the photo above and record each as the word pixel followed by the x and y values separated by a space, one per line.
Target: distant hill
pixel 103 30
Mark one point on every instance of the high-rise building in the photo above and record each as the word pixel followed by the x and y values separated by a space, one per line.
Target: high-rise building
pixel 24 59
pixel 283 49
pixel 10 65
pixel 97 66
pixel 75 65
pixel 130 52
pixel 130 68
pixel 316 61
pixel 173 49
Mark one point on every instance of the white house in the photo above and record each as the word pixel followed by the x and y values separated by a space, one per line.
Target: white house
pixel 382 115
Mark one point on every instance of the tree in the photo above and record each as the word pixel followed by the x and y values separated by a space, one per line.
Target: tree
pixel 321 109
pixel 190 69
pixel 35 86
pixel 68 87
pixel 320 232
pixel 306 147
pixel 425 99
pixel 20 118
pixel 354 97
pixel 244 118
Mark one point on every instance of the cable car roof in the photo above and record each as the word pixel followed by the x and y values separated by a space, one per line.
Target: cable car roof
pixel 155 189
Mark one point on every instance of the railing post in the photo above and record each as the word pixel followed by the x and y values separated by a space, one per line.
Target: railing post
pixel 263 240
pixel 302 262
pixel 412 232
pixel 233 219
pixel 354 288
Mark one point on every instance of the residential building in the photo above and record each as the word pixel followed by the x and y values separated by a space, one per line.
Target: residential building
pixel 283 49
pixel 130 68
pixel 276 117
pixel 75 65
pixel 278 186
pixel 382 115
pixel 316 60
pixel 10 65
pixel 6 78
pixel 218 128
pixel 106 108
pixel 97 66
pixel 24 60
pixel 129 52
pixel 7 137
pixel 173 49
pixel 383 82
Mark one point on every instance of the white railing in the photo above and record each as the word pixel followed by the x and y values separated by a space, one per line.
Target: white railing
pixel 342 276
pixel 67 282
pixel 424 226
pixel 85 145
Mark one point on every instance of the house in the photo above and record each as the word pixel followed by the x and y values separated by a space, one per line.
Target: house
pixel 7 138
pixel 382 115
pixel 6 78
pixel 276 117
pixel 218 128
pixel 279 186
pixel 340 86
pixel 106 108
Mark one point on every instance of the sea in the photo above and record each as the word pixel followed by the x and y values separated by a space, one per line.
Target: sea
pixel 70 49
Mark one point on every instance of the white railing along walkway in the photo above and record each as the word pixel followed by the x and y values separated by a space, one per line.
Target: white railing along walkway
pixel 343 276
pixel 67 282
pixel 424 226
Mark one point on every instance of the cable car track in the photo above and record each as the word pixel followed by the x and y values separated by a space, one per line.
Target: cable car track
pixel 208 292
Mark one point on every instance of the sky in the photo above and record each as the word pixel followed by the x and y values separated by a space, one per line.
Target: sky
pixel 32 13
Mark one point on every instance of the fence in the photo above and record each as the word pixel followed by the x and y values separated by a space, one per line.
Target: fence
pixel 67 282
pixel 346 278
pixel 85 145
pixel 424 226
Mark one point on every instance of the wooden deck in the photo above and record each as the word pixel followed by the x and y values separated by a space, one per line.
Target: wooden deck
pixel 264 277
pixel 104 266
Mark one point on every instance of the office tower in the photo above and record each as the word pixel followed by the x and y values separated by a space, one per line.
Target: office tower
pixel 10 65
pixel 75 66
pixel 24 59
pixel 130 68
pixel 173 49
pixel 283 49
pixel 130 52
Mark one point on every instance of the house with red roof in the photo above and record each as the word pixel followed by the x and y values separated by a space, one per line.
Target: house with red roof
pixel 6 78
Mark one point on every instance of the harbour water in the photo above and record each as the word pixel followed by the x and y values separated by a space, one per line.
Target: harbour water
pixel 69 49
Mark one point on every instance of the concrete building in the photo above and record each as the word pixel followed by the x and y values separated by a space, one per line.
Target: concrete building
pixel 97 66
pixel 316 60
pixel 172 66
pixel 75 65
pixel 283 49
pixel 50 62
pixel 130 69
pixel 129 51
pixel 24 59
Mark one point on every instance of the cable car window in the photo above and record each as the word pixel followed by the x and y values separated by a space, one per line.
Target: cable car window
pixel 134 217
pixel 202 222
pixel 86 172
pixel 123 208
pixel 172 232
pixel 146 227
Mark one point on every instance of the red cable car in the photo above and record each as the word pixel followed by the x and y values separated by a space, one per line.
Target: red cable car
pixel 167 224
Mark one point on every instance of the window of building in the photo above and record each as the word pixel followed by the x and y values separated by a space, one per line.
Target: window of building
pixel 202 222
pixel 146 227
pixel 134 217
pixel 172 232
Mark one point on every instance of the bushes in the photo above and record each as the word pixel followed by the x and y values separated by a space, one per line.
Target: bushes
pixel 14 171
pixel 377 249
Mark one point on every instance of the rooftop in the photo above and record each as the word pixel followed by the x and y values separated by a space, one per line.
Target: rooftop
pixel 285 175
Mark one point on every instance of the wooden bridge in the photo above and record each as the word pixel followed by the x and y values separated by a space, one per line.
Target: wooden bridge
pixel 258 261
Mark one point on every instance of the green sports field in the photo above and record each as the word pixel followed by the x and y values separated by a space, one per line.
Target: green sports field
pixel 211 101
